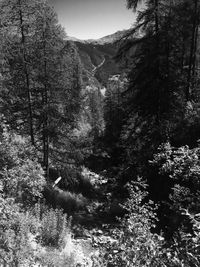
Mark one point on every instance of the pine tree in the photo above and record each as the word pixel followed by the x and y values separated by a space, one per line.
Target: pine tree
pixel 60 92
pixel 41 76
pixel 162 63
pixel 16 20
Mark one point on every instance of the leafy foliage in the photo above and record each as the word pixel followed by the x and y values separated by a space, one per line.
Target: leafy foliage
pixel 187 245
pixel 22 176
pixel 51 102
pixel 15 228
pixel 41 76
pixel 133 243
pixel 53 225
pixel 182 166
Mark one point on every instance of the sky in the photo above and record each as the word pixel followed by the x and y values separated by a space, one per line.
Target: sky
pixel 92 19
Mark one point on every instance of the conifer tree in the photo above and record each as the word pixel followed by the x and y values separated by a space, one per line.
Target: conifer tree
pixel 161 76
pixel 16 28
pixel 41 81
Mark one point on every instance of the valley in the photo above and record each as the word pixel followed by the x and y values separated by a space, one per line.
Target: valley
pixel 99 138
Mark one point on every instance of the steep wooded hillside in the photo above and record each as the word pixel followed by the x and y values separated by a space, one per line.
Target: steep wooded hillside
pixel 98 56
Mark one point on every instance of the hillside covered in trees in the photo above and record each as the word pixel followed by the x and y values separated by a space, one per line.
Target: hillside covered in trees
pixel 99 139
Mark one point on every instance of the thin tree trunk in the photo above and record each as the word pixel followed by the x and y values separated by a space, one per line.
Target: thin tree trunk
pixel 192 53
pixel 167 49
pixel 195 51
pixel 26 73
pixel 45 122
pixel 183 53
pixel 156 3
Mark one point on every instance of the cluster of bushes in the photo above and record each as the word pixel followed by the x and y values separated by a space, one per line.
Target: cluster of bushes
pixel 14 230
pixel 181 166
pixel 31 233
pixel 135 243
pixel 21 175
pixel 38 237
pixel 24 235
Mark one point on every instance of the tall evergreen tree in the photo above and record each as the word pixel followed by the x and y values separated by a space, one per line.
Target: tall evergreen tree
pixel 158 96
pixel 40 74
pixel 16 28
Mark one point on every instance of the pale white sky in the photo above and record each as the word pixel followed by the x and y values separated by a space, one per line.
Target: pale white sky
pixel 92 19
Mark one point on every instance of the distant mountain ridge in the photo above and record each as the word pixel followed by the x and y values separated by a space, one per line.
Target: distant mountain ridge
pixel 101 41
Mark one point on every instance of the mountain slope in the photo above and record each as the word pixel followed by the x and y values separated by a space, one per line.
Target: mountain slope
pixel 99 55
pixel 109 39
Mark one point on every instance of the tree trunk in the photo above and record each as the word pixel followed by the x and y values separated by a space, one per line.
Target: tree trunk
pixel 195 50
pixel 192 52
pixel 26 74
pixel 156 3
pixel 45 118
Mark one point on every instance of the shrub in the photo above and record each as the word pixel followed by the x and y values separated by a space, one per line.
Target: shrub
pixel 85 186
pixel 74 180
pixel 25 181
pixel 41 236
pixel 185 249
pixel 53 227
pixel 21 175
pixel 181 166
pixel 58 248
pixel 15 226
pixel 133 243
pixel 69 202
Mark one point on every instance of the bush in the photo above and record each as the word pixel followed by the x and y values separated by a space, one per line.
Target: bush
pixel 185 249
pixel 74 180
pixel 40 236
pixel 53 225
pixel 133 243
pixel 21 175
pixel 69 202
pixel 24 182
pixel 86 187
pixel 58 248
pixel 181 166
pixel 15 226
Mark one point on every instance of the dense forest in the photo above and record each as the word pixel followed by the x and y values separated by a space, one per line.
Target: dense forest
pixel 100 139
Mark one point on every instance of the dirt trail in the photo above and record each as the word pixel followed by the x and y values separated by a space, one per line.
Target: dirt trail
pixel 99 66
